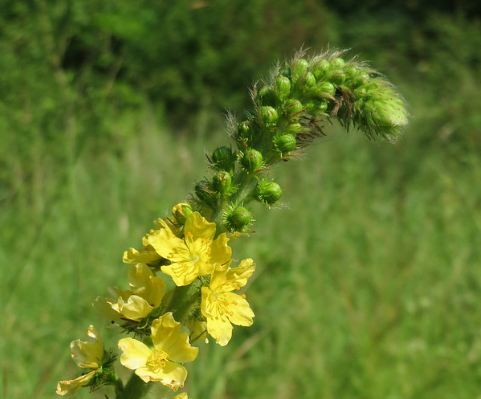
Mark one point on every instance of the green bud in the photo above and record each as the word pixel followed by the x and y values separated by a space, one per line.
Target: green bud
pixel 293 106
pixel 222 182
pixel 267 96
pixel 324 90
pixel 237 219
pixel 321 69
pixel 204 192
pixel 181 211
pixel 283 87
pixel 294 128
pixel 252 160
pixel 285 142
pixel 223 158
pixel 299 69
pixel 322 107
pixel 338 77
pixel 338 63
pixel 244 129
pixel 268 115
pixel 309 80
pixel 268 192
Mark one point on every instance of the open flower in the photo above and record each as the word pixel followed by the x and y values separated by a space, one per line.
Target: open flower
pixel 145 293
pixel 162 362
pixel 86 354
pixel 221 307
pixel 197 254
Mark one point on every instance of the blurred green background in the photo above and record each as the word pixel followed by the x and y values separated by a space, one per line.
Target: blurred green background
pixel 369 277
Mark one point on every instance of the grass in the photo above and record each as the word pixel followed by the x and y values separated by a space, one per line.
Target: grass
pixel 368 275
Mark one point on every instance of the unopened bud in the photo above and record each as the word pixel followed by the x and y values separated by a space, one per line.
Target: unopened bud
pixel 293 106
pixel 268 192
pixel 285 143
pixel 223 158
pixel 267 96
pixel 268 115
pixel 283 87
pixel 252 160
pixel 324 90
pixel 321 69
pixel 294 128
pixel 222 182
pixel 204 192
pixel 299 69
pixel 244 129
pixel 309 79
pixel 181 212
pixel 238 219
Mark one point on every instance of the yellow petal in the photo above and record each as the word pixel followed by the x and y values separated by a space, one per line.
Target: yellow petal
pixel 135 308
pixel 239 311
pixel 68 387
pixel 235 278
pixel 220 329
pixel 196 226
pixel 181 395
pixel 221 253
pixel 183 273
pixel 145 255
pixel 168 245
pixel 168 337
pixel 139 275
pixel 88 354
pixel 172 375
pixel 134 353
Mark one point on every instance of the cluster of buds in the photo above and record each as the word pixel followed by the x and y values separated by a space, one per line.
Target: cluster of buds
pixel 182 285
pixel 288 113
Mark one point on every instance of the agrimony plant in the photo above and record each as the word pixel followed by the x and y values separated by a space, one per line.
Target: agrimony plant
pixel 183 288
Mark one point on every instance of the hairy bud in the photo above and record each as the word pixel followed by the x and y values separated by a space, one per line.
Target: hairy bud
pixel 299 68
pixel 223 158
pixel 268 115
pixel 268 192
pixel 285 143
pixel 267 96
pixel 222 183
pixel 283 87
pixel 252 160
pixel 181 211
pixel 237 219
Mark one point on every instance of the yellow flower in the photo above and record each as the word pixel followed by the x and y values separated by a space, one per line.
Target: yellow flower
pixel 221 307
pixel 87 355
pixel 161 363
pixel 181 395
pixel 145 293
pixel 197 254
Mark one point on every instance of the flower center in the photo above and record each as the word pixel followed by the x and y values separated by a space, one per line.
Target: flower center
pixel 157 360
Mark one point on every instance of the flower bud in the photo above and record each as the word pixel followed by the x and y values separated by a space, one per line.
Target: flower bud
pixel 267 96
pixel 309 79
pixel 268 192
pixel 238 219
pixel 222 182
pixel 338 63
pixel 293 106
pixel 299 69
pixel 283 87
pixel 252 160
pixel 204 192
pixel 244 129
pixel 181 211
pixel 268 115
pixel 223 158
pixel 321 69
pixel 294 128
pixel 324 90
pixel 285 142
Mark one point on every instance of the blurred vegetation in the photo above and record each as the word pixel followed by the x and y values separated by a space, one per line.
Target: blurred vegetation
pixel 106 109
